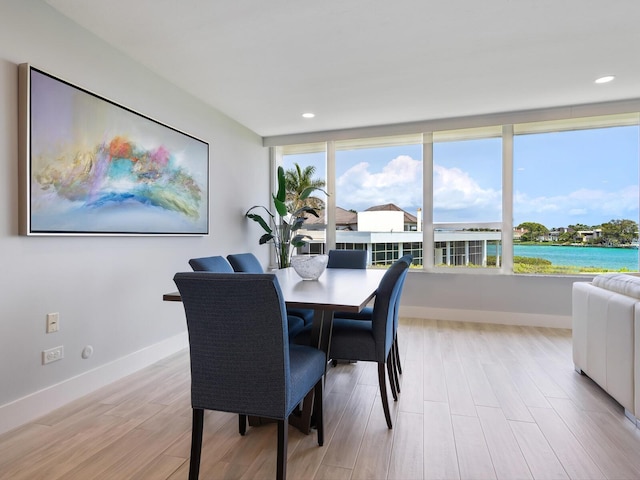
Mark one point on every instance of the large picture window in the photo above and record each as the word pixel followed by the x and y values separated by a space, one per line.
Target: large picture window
pixel 553 197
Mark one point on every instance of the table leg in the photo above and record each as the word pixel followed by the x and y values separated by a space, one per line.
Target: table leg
pixel 302 420
pixel 320 339
pixel 321 330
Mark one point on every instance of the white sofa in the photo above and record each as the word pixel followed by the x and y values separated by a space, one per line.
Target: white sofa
pixel 606 315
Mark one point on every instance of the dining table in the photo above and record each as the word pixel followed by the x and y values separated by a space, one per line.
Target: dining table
pixel 336 290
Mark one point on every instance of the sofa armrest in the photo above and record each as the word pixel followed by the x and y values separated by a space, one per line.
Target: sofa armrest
pixel 604 339
pixel 579 301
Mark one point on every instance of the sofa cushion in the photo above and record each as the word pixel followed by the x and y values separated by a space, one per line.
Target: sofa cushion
pixel 622 283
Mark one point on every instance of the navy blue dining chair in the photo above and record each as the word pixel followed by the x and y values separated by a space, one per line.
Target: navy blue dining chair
pixel 249 263
pixel 350 259
pixel 358 259
pixel 366 314
pixel 372 340
pixel 245 262
pixel 408 259
pixel 241 359
pixel 217 264
pixel 347 259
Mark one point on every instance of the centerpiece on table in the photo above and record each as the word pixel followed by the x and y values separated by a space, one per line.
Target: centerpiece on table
pixel 282 227
pixel 309 267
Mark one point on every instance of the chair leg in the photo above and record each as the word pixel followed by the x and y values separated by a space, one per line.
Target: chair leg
pixel 395 343
pixel 383 394
pixel 196 443
pixel 242 424
pixel 396 378
pixel 283 436
pixel 317 411
pixel 392 382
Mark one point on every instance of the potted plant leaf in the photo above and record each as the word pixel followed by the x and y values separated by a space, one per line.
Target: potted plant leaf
pixel 281 228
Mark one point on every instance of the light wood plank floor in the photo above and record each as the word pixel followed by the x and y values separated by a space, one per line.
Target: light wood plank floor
pixel 478 402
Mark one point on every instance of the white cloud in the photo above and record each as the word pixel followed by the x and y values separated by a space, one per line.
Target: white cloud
pixel 456 195
pixel 459 197
pixel 399 182
pixel 588 206
pixel 454 189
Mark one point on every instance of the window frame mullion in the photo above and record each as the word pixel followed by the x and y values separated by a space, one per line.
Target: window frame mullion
pixel 506 266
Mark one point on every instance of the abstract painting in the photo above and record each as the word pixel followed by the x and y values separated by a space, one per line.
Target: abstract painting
pixel 94 167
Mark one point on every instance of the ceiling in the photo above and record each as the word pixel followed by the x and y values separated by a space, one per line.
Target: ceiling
pixel 357 63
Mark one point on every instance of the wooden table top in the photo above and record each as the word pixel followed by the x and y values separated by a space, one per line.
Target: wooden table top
pixel 347 290
pixel 337 288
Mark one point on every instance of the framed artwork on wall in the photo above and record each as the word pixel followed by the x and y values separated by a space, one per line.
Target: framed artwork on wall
pixel 89 166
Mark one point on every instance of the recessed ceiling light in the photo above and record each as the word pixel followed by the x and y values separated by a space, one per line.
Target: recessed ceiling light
pixel 605 79
pixel 308 115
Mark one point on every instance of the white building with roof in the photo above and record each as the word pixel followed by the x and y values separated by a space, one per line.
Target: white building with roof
pixel 387 232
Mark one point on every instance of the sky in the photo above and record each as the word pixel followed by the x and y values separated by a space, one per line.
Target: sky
pixel 560 178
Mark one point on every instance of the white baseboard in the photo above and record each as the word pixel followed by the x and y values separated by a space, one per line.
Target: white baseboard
pixel 481 316
pixel 39 403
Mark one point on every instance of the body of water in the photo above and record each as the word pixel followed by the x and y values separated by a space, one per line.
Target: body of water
pixel 611 258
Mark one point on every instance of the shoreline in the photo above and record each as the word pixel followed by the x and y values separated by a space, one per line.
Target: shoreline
pixel 548 244
pixel 579 259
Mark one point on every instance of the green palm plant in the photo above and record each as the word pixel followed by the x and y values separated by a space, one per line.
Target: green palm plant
pixel 281 228
pixel 298 181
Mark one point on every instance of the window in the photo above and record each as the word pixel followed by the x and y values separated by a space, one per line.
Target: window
pixel 351 246
pixel 305 165
pixel 415 249
pixel 379 195
pixel 576 186
pixel 385 253
pixel 467 197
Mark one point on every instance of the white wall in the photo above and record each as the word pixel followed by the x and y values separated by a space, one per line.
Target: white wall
pixel 108 291
pixel 381 221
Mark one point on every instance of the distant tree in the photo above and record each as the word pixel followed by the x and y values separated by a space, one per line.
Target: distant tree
pixel 580 227
pixel 567 237
pixel 619 232
pixel 533 231
pixel 298 180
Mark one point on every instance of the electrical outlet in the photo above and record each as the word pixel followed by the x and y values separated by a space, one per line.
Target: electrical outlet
pixel 52 355
pixel 53 322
